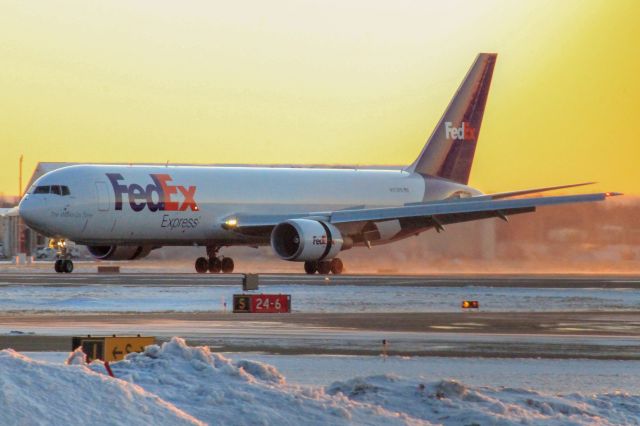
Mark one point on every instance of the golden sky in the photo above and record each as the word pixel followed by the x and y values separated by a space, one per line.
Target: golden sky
pixel 321 82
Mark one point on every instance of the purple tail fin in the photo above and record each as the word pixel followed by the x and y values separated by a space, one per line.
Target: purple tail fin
pixel 450 149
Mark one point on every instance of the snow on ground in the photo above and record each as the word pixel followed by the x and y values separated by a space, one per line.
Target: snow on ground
pixel 311 298
pixel 41 393
pixel 452 403
pixel 549 375
pixel 217 390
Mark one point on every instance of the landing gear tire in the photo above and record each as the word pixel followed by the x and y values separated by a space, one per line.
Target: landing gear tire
pixel 227 265
pixel 215 265
pixel 202 265
pixel 67 266
pixel 58 266
pixel 336 266
pixel 310 267
pixel 324 267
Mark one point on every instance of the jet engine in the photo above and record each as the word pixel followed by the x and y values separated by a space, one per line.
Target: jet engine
pixel 306 239
pixel 119 252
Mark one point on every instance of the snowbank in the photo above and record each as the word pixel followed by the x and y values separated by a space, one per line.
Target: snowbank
pixel 178 384
pixel 41 393
pixel 216 390
pixel 451 403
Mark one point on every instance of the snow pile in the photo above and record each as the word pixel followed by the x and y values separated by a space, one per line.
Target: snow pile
pixel 178 384
pixel 41 393
pixel 451 403
pixel 216 390
pixel 76 357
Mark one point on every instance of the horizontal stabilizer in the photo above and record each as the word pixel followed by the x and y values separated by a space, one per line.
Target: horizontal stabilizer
pixel 9 212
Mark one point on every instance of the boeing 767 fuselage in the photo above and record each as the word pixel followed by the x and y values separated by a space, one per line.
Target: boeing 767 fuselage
pixel 305 214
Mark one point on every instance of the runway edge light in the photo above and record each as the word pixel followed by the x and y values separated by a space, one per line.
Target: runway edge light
pixel 470 304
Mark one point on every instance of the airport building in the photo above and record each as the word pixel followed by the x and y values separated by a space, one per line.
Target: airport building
pixel 17 238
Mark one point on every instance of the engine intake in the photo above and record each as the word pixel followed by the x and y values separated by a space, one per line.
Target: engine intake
pixel 306 239
pixel 119 252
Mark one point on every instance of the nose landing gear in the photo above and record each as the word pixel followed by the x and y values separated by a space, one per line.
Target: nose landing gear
pixel 63 262
pixel 214 263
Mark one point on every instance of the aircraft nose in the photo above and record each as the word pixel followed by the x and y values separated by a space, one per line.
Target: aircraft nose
pixel 32 211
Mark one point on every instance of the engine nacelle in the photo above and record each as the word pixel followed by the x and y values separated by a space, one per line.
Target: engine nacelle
pixel 119 252
pixel 306 239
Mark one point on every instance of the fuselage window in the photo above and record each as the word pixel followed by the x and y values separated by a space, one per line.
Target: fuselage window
pixel 61 190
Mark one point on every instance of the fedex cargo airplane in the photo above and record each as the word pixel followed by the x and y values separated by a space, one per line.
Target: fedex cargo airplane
pixel 306 215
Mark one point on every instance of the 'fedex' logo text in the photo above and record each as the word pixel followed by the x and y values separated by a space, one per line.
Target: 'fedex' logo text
pixel 166 198
pixel 319 241
pixel 464 132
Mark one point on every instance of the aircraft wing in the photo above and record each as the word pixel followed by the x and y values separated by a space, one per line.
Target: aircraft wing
pixel 445 208
pixel 501 195
pixel 433 213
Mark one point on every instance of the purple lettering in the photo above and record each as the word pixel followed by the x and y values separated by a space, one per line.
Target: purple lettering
pixel 117 188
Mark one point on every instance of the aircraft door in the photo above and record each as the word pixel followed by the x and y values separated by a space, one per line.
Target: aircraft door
pixel 103 196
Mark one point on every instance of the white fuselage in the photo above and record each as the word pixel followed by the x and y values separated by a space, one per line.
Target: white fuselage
pixel 185 205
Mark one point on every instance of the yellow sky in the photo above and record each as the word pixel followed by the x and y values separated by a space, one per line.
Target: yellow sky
pixel 330 82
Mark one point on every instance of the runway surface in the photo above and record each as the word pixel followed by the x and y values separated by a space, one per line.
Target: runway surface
pixel 590 317
pixel 462 280
pixel 597 335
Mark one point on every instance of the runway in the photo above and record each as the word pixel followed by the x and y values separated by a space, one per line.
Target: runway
pixel 462 280
pixel 596 317
pixel 596 335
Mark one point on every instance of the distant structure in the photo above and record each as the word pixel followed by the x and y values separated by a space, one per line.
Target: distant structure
pixel 16 236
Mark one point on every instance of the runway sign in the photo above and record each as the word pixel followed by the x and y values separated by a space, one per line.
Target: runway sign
pixel 470 304
pixel 262 303
pixel 110 348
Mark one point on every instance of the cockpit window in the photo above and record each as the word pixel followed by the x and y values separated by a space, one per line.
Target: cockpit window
pixel 61 190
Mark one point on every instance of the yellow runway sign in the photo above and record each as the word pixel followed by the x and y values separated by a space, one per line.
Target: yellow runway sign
pixel 116 348
pixel 111 348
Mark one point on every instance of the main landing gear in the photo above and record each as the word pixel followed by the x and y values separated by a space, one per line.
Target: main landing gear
pixel 63 263
pixel 323 267
pixel 214 263
pixel 63 266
